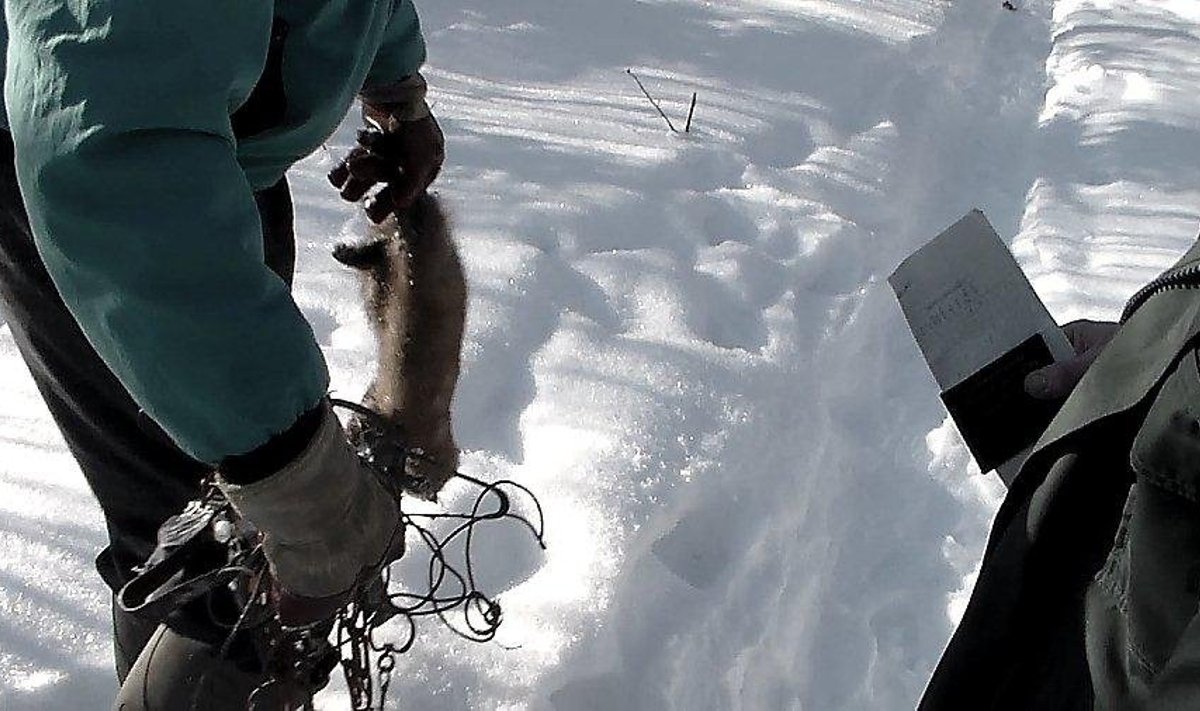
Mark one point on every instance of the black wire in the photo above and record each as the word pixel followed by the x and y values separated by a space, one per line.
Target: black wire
pixel 382 449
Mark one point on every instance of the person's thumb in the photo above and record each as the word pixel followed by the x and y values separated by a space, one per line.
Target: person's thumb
pixel 1055 382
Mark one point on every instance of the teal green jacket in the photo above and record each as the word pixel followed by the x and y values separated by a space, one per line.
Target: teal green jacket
pixel 141 196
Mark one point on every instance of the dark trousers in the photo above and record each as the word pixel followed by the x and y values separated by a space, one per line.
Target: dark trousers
pixel 137 474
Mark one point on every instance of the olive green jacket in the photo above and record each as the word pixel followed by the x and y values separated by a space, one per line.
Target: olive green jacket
pixel 139 185
pixel 1020 643
pixel 1130 367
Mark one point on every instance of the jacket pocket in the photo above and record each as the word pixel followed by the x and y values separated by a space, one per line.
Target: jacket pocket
pixel 1159 574
pixel 1166 450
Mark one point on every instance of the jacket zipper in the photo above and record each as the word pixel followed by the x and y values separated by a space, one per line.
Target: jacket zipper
pixel 1185 278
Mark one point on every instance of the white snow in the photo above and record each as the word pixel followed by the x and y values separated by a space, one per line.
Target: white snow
pixel 685 344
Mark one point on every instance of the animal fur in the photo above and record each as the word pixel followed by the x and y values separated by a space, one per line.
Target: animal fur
pixel 416 296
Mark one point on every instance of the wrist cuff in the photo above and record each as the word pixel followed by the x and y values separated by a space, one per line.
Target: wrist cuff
pixel 324 515
pixel 391 105
pixel 276 453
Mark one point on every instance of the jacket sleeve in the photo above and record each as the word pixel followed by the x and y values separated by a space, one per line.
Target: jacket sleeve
pixel 402 51
pixel 127 164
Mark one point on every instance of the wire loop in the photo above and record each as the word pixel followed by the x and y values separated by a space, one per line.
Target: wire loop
pixel 303 658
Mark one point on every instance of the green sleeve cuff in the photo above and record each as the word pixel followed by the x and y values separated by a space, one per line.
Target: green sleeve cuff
pixel 402 51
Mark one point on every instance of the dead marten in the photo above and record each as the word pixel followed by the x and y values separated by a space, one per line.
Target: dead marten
pixel 416 297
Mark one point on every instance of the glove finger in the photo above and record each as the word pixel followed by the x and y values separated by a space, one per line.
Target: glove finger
pixel 373 140
pixel 341 172
pixel 355 189
pixel 371 168
pixel 380 206
pixel 339 175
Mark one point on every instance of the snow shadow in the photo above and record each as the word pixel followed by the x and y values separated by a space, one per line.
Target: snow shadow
pixel 685 346
pixel 54 621
pixel 1117 200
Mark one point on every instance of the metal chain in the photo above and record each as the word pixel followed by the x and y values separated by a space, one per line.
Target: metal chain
pixel 302 659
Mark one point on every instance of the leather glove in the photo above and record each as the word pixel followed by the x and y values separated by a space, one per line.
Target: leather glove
pixel 1055 382
pixel 328 524
pixel 403 148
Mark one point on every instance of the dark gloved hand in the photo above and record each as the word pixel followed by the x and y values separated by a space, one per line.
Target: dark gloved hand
pixel 403 148
pixel 1055 382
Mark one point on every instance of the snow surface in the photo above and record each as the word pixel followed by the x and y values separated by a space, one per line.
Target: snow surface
pixel 686 344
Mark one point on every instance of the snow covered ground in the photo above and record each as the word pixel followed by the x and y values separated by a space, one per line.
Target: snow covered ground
pixel 685 344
